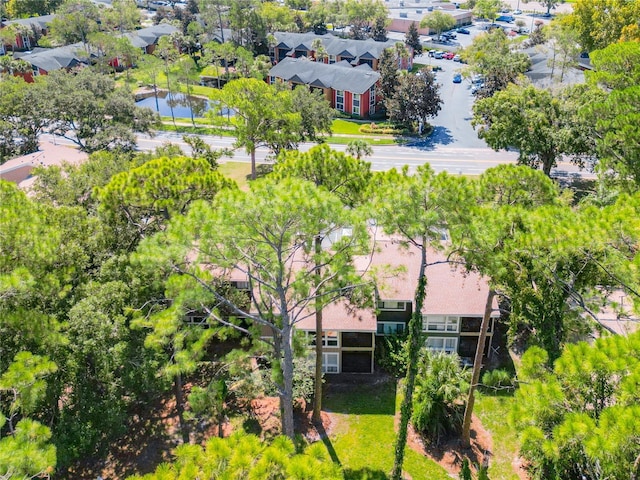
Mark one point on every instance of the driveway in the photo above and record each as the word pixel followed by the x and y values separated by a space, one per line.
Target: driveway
pixel 452 126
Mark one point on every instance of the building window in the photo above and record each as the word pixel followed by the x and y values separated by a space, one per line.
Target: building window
pixel 330 363
pixel 272 80
pixel 340 100
pixel 442 344
pixel 372 99
pixel 26 42
pixel 390 328
pixel 329 338
pixel 356 105
pixel 332 59
pixel 440 323
pixel 393 305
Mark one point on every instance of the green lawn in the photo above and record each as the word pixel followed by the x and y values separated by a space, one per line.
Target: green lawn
pixel 363 438
pixel 493 410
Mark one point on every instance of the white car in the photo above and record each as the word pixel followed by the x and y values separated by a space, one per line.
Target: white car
pixel 517 12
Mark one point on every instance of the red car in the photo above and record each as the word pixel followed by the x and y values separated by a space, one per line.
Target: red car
pixel 449 55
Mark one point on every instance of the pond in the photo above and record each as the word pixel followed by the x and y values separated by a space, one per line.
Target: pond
pixel 182 104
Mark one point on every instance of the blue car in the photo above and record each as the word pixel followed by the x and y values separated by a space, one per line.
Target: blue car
pixel 457 78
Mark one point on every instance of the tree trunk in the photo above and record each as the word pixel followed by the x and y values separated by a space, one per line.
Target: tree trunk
pixel 477 366
pixel 286 395
pixel 317 394
pixel 253 163
pixel 415 335
pixel 177 385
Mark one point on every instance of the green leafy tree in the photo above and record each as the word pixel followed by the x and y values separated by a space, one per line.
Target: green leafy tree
pixel 491 55
pixel 266 234
pixel 344 176
pixel 563 43
pixel 28 8
pixel 90 111
pixel 25 451
pixel 542 127
pixel 123 16
pixel 75 20
pixel 379 30
pixel 438 399
pixel 580 418
pixel 360 14
pixel 22 122
pixel 415 100
pixel 416 208
pixel 412 39
pixel 264 115
pixel 389 75
pixel 438 22
pixel 487 9
pixel 150 195
pixel 600 23
pixel 245 456
pixel 615 115
pixel 359 148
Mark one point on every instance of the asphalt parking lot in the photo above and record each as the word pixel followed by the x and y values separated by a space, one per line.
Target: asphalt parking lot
pixel 452 125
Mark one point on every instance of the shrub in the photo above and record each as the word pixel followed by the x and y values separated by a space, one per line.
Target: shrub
pixel 497 379
pixel 392 354
pixel 439 395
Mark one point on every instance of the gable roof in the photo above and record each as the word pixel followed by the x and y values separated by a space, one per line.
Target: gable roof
pixel 40 22
pixel 450 289
pixel 336 76
pixel 334 45
pixel 51 59
pixel 152 34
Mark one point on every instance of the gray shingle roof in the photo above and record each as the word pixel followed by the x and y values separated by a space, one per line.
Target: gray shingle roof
pixel 150 35
pixel 339 76
pixel 334 45
pixel 40 22
pixel 51 59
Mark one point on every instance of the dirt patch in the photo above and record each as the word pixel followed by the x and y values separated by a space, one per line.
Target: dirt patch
pixel 450 454
pixel 267 412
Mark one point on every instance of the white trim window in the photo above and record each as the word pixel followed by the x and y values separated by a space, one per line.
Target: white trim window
pixel 392 305
pixel 442 344
pixel 26 42
pixel 332 59
pixel 440 323
pixel 330 362
pixel 329 338
pixel 390 328
pixel 372 99
pixel 355 104
pixel 340 100
pixel 2 52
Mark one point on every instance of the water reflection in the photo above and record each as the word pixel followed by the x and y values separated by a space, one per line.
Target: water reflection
pixel 182 105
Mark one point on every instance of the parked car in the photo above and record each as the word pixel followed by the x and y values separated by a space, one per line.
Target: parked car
pixel 475 88
pixel 448 55
pixel 505 18
pixel 517 12
pixel 456 58
pixel 438 54
pixel 431 53
pixel 457 78
pixel 449 35
pixel 463 31
pixel 477 79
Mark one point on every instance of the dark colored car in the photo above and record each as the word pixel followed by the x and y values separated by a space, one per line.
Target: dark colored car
pixel 464 31
pixel 457 78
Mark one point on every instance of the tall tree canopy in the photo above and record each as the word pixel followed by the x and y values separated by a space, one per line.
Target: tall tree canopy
pixel 91 111
pixel 581 418
pixel 266 235
pixel 543 127
pixel 490 54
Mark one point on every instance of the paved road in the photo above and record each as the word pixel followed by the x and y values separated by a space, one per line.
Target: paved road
pixel 450 158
